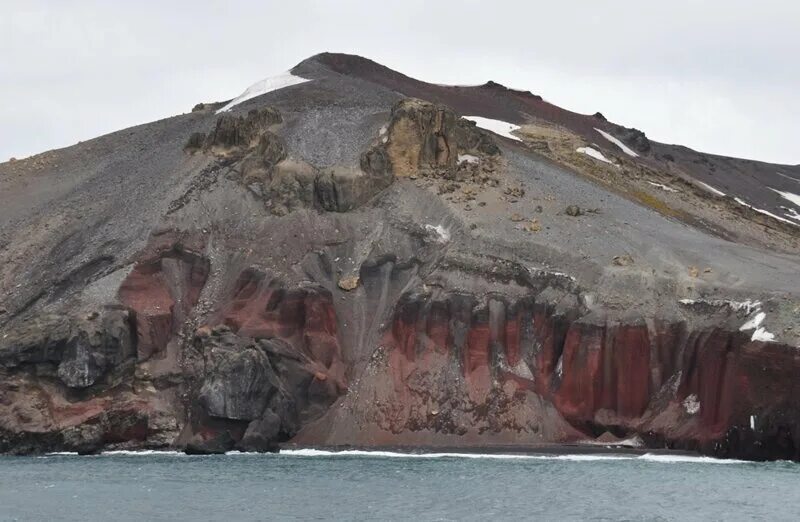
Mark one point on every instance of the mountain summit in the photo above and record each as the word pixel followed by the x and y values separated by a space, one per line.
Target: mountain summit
pixel 344 255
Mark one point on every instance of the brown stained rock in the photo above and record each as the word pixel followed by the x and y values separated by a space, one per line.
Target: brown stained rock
pixel 623 260
pixel 421 136
pixel 203 331
pixel 425 139
pixel 533 226
pixel 348 283
pixel 516 218
pixel 694 271
pixel 516 192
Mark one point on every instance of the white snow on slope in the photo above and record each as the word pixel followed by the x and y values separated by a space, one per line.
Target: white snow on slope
pixel 503 128
pixel 709 187
pixel 263 87
pixel 762 335
pixel 753 323
pixel 594 153
pixel 765 212
pixel 663 187
pixel 469 158
pixel 691 404
pixel 794 198
pixel 618 143
pixel 791 213
pixel 748 306
pixel 443 233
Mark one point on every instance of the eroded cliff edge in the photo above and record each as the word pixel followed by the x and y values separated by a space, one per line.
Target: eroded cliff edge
pixel 407 279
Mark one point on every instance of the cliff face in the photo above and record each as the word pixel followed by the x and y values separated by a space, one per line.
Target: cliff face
pixel 334 263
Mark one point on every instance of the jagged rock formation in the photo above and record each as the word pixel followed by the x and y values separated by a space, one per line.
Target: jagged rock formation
pixel 348 261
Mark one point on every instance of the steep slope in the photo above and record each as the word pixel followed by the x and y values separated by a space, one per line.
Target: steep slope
pixel 347 260
pixel 735 190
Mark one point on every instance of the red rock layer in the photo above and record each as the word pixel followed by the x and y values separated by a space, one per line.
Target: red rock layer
pixel 161 290
pixel 303 317
pixel 711 390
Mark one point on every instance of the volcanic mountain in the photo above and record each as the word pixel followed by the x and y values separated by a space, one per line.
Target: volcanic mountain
pixel 344 255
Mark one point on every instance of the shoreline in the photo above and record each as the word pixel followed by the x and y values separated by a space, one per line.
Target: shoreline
pixel 512 450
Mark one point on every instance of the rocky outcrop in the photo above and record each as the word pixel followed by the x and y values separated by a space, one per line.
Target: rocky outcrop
pixel 80 352
pixel 256 392
pixel 636 139
pixel 236 136
pixel 63 387
pixel 273 364
pixel 426 137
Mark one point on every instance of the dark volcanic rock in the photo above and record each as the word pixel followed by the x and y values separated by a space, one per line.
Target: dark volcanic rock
pixel 239 379
pixel 636 139
pixel 80 352
pixel 236 133
pixel 262 434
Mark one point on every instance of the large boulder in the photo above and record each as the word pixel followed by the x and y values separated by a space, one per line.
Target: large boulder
pixel 239 379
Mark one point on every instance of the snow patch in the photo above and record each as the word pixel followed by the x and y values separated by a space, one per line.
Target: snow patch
pixel 691 404
pixel 791 213
pixel 765 212
pixel 752 422
pixel 754 322
pixel 736 306
pixel 537 272
pixel 759 333
pixel 443 233
pixel 762 334
pixel 618 143
pixel 594 153
pixel 794 198
pixel 663 187
pixel 502 128
pixel 266 85
pixel 710 188
pixel 468 158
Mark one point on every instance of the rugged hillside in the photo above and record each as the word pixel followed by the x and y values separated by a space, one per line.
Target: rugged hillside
pixel 345 255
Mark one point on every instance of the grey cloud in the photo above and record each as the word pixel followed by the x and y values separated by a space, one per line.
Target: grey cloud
pixel 717 75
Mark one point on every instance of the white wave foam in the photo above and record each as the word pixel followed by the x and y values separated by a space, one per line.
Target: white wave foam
pixel 677 459
pixel 311 452
pixel 117 453
pixel 650 457
pixel 142 453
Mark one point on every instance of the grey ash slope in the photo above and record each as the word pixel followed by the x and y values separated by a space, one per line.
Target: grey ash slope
pixel 748 180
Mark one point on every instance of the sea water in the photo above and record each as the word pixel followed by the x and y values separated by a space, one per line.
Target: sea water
pixel 359 485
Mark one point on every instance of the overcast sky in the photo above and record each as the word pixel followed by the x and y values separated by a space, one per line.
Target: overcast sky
pixel 718 76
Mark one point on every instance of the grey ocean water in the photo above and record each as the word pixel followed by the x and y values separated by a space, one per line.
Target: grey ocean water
pixel 315 485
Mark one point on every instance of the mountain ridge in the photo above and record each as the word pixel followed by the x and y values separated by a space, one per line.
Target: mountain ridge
pixel 356 259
